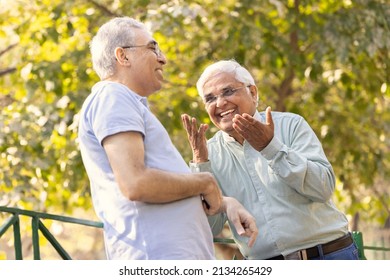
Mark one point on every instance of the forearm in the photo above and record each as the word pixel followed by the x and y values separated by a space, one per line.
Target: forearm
pixel 138 182
pixel 306 170
pixel 157 186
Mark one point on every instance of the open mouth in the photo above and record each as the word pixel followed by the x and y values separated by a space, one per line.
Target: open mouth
pixel 227 114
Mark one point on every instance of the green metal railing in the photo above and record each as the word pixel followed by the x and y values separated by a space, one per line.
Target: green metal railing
pixel 358 238
pixel 38 226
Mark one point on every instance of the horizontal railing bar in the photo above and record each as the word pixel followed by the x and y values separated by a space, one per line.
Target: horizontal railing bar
pixel 223 240
pixel 51 216
pixel 376 248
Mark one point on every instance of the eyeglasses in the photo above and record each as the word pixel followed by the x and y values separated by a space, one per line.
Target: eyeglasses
pixel 210 99
pixel 153 46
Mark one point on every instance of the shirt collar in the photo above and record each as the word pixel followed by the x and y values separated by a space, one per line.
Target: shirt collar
pixel 140 98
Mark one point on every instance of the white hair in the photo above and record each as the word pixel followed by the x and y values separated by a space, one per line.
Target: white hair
pixel 241 74
pixel 115 33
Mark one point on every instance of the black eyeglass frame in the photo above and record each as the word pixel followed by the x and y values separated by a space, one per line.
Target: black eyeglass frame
pixel 210 99
pixel 152 45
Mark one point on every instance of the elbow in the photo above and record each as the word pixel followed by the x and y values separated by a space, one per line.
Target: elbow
pixel 327 183
pixel 330 183
pixel 131 191
pixel 132 196
pixel 328 187
pixel 321 197
pixel 322 189
pixel 327 196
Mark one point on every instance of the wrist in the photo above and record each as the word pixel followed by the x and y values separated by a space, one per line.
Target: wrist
pixel 199 160
pixel 225 201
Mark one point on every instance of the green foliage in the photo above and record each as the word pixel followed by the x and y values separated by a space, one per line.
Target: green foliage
pixel 326 60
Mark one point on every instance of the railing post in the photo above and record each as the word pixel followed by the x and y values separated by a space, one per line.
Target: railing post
pixel 14 221
pixel 35 237
pixel 17 239
pixel 358 238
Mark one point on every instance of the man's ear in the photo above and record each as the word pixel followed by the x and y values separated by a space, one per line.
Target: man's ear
pixel 253 90
pixel 120 56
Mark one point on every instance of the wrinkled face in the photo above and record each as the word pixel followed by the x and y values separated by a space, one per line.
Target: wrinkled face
pixel 225 97
pixel 147 63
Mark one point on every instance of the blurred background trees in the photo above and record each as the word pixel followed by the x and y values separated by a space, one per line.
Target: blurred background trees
pixel 326 60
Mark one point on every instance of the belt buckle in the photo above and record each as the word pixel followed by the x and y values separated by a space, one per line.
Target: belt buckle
pixel 298 255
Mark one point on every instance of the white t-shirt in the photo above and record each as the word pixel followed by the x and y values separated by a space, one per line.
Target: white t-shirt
pixel 132 229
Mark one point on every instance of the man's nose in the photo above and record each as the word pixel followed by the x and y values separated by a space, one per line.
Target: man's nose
pixel 162 59
pixel 221 100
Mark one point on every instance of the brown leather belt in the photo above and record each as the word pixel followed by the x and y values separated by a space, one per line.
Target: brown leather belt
pixel 311 253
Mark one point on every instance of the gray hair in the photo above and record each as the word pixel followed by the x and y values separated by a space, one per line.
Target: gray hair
pixel 116 32
pixel 241 74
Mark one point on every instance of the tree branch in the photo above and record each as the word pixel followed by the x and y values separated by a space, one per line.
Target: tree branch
pixel 104 9
pixel 7 71
pixel 8 49
pixel 6 100
pixel 285 89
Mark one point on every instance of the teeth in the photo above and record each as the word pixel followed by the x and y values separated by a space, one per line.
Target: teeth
pixel 227 112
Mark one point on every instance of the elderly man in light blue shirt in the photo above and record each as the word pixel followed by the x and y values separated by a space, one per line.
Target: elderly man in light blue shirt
pixel 273 164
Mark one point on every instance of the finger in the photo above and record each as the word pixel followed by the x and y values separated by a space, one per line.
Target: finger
pixel 185 120
pixel 202 129
pixel 251 232
pixel 194 126
pixel 238 226
pixel 249 119
pixel 268 116
pixel 241 128
pixel 237 122
pixel 254 232
pixel 252 239
pixel 238 118
pixel 242 121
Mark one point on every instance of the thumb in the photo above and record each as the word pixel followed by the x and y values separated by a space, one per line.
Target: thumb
pixel 268 117
pixel 238 226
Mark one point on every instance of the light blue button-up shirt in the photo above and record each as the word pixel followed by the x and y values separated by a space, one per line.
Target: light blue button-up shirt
pixel 287 187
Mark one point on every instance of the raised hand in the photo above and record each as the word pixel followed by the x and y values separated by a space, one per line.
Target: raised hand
pixel 196 137
pixel 257 134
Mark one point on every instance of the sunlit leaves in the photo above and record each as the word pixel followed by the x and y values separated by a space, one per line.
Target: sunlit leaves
pixel 327 60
